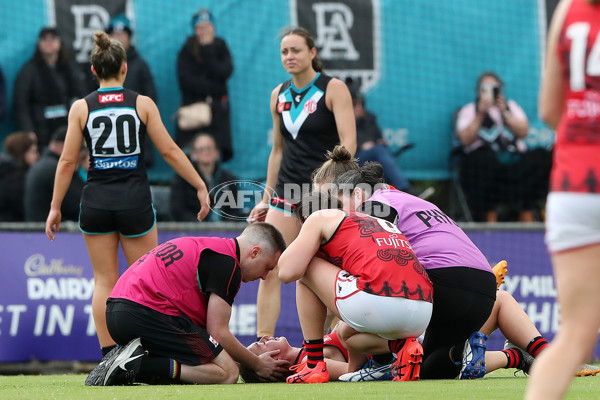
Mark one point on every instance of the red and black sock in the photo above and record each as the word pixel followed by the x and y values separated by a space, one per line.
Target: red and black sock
pixel 536 345
pixel 396 345
pixel 314 351
pixel 514 358
pixel 158 368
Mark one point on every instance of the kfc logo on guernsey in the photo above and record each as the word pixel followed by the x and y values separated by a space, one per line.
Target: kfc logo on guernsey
pixel 110 98
pixel 284 106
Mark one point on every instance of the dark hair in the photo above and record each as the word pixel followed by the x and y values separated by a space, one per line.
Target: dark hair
pixel 487 74
pixel 310 42
pixel 203 134
pixel 338 161
pixel 370 173
pixel 107 56
pixel 314 202
pixel 266 234
pixel 203 15
pixel 16 144
pixel 62 54
pixel 59 134
pixel 369 178
pixel 354 88
pixel 250 376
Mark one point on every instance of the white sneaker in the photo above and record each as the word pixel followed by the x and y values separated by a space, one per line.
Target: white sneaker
pixel 369 373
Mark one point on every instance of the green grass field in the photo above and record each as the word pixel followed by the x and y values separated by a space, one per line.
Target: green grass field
pixel 497 385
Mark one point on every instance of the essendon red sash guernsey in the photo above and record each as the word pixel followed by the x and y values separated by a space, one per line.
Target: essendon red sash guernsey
pixel 576 167
pixel 379 255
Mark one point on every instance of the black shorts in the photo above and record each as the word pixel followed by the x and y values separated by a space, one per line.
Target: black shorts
pixel 175 337
pixel 282 204
pixel 129 223
pixel 463 299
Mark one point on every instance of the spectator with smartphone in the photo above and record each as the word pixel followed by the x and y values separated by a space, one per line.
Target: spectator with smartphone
pixel 496 165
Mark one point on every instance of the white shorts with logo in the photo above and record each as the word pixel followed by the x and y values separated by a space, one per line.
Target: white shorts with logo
pixel 572 220
pixel 388 317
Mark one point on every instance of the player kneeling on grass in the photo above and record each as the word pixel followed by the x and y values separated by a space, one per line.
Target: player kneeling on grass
pixel 372 281
pixel 170 311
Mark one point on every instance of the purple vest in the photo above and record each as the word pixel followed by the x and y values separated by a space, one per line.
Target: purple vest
pixel 435 238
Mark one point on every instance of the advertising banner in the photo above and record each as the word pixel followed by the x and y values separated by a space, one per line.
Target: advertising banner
pixel 46 291
pixel 46 294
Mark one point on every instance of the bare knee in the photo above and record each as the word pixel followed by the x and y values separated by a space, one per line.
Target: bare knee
pixel 502 296
pixel 105 280
pixel 344 331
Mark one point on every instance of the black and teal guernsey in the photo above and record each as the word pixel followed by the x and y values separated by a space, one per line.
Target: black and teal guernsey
pixel 115 135
pixel 308 129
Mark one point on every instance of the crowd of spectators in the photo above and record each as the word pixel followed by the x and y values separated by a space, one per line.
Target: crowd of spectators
pixel 497 171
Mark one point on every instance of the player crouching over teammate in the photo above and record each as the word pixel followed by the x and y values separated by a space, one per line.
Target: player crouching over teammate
pixel 371 280
pixel 170 311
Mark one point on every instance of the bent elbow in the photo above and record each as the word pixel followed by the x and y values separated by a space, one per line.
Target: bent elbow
pixel 286 276
pixel 169 154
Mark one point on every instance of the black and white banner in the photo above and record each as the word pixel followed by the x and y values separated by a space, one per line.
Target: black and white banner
pixel 347 35
pixel 77 20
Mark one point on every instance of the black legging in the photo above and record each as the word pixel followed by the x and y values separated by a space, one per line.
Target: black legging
pixel 463 299
pixel 487 182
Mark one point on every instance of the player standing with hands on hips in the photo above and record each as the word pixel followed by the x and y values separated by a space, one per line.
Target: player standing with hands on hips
pixel 116 205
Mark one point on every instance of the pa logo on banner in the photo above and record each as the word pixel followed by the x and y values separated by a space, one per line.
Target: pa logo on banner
pixel 347 35
pixel 79 19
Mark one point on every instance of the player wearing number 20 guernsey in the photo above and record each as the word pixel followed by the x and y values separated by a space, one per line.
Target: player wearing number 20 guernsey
pixel 116 205
pixel 115 136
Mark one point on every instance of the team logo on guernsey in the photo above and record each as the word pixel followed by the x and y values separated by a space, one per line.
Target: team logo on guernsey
pixel 295 117
pixel 284 106
pixel 111 98
pixel 347 36
pixel 310 106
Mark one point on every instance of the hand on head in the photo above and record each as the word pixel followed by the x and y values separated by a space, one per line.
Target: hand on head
pixel 271 368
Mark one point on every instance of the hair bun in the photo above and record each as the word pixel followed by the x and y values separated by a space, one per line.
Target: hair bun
pixel 339 154
pixel 102 40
